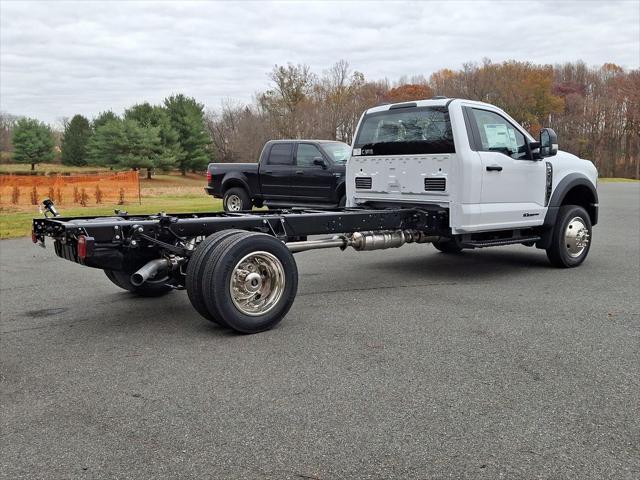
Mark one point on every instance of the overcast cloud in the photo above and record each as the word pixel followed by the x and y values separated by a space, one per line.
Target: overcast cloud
pixel 62 58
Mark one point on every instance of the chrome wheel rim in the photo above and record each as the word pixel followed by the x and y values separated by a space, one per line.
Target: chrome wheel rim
pixel 576 237
pixel 234 204
pixel 257 283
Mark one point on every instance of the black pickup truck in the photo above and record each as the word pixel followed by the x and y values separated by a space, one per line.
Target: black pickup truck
pixel 307 173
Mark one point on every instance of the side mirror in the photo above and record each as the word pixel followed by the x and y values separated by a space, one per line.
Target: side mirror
pixel 548 143
pixel 319 161
pixel 534 150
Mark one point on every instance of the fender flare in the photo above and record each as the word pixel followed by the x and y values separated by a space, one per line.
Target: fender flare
pixel 235 178
pixel 559 193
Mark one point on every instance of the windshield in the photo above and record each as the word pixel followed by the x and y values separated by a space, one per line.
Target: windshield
pixel 339 152
pixel 405 131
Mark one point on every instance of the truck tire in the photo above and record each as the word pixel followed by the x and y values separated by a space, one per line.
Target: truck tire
pixel 147 289
pixel 195 271
pixel 448 246
pixel 236 200
pixel 571 237
pixel 250 282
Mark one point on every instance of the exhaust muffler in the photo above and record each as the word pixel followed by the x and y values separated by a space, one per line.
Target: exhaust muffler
pixel 364 241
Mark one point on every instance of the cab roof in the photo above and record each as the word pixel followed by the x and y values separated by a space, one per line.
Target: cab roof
pixel 309 140
pixel 432 102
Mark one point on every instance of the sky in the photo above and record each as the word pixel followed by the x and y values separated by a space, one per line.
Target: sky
pixel 62 58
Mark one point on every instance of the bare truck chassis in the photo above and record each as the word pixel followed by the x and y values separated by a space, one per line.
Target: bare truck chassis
pixel 238 268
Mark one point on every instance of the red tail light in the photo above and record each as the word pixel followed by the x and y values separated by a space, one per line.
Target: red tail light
pixel 85 247
pixel 34 237
pixel 209 176
pixel 82 247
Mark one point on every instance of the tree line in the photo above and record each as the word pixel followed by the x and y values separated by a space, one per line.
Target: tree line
pixel 594 110
pixel 164 137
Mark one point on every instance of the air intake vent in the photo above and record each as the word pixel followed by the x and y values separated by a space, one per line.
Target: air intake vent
pixel 435 184
pixel 363 183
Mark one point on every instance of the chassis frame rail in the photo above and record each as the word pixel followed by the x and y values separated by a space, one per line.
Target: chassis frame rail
pixel 284 224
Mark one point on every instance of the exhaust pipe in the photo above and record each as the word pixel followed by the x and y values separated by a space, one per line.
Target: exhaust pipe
pixel 362 241
pixel 152 269
pixel 338 241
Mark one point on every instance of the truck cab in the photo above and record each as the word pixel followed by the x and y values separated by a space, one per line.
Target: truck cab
pixel 472 160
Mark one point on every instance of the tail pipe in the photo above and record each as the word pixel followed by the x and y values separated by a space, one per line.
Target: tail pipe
pixel 155 268
pixel 363 241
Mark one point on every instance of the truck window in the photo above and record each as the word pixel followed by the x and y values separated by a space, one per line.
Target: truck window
pixel 306 153
pixel 339 152
pixel 497 134
pixel 403 132
pixel 281 154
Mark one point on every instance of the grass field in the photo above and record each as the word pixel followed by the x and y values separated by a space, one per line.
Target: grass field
pixel 613 180
pixel 168 193
pixel 18 223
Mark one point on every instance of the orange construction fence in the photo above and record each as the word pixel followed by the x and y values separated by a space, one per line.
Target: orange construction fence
pixel 110 188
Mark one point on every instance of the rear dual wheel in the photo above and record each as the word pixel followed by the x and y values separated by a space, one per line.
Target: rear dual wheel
pixel 244 280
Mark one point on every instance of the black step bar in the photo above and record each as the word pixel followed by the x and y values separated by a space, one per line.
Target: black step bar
pixel 499 242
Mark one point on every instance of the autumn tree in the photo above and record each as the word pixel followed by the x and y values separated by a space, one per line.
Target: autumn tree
pixel 7 123
pixel 285 101
pixel 74 141
pixel 408 92
pixel 32 142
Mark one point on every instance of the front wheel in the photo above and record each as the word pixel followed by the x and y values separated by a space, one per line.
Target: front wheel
pixel 571 237
pixel 236 200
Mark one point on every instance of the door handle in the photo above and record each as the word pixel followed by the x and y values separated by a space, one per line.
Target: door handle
pixel 268 171
pixel 299 172
pixel 494 168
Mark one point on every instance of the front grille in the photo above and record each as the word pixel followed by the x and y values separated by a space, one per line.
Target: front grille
pixel 363 183
pixel 435 184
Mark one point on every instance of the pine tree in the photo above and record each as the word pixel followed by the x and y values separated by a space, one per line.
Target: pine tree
pixel 187 119
pixel 157 117
pixel 33 142
pixel 127 144
pixel 103 118
pixel 74 142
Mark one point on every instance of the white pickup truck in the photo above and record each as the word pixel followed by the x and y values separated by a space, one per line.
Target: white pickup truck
pixel 498 185
pixel 455 173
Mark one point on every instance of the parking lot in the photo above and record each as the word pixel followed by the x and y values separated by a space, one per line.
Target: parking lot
pixel 403 363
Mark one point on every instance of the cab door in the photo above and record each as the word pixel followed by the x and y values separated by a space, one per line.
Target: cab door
pixel 311 182
pixel 513 186
pixel 276 172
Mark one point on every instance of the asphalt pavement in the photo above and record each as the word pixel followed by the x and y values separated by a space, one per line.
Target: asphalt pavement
pixel 403 363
